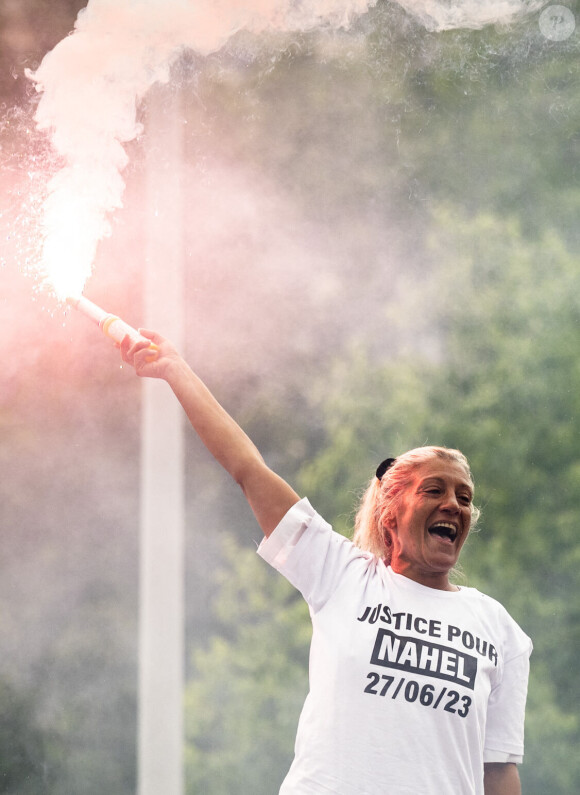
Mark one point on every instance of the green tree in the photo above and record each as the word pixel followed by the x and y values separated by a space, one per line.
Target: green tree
pixel 491 367
pixel 27 753
pixel 248 683
pixel 513 372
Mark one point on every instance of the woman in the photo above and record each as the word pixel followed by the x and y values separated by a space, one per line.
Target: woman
pixel 416 685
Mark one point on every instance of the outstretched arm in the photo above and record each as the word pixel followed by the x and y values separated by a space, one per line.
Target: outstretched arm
pixel 501 779
pixel 269 496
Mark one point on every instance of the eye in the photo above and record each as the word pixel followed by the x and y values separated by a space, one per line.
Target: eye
pixel 464 499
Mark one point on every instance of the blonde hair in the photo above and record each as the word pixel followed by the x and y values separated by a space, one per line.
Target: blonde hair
pixel 383 497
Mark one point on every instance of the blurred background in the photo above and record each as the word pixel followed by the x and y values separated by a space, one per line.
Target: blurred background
pixel 381 250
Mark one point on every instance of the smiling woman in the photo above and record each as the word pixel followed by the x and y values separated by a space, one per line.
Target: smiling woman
pixel 417 512
pixel 415 685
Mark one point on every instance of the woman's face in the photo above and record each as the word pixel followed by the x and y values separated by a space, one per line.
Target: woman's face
pixel 432 522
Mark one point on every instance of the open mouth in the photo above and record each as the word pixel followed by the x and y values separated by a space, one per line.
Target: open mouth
pixel 444 530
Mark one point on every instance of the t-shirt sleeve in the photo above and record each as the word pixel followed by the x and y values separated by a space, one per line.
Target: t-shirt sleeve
pixel 504 734
pixel 306 550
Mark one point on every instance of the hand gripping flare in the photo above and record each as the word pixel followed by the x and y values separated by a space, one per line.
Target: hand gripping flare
pixel 111 325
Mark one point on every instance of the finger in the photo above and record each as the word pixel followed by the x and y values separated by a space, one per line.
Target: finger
pixel 146 354
pixel 124 347
pixel 152 353
pixel 152 335
pixel 130 349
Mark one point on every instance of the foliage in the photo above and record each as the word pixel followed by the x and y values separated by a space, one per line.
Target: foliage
pixel 515 371
pixel 243 700
pixel 502 383
pixel 505 392
pixel 27 753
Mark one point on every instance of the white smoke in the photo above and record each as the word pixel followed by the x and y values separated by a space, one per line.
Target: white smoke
pixel 438 15
pixel 93 80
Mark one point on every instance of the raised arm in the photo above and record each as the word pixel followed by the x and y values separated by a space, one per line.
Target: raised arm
pixel 268 494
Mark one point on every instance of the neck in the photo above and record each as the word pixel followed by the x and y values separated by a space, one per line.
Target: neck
pixel 437 580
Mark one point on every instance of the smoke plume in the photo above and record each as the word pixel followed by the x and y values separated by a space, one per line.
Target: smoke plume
pixel 93 80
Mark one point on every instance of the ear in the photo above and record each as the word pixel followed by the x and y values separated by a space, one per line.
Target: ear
pixel 387 538
pixel 390 523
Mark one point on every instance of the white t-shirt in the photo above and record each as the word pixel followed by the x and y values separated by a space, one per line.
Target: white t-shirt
pixel 412 689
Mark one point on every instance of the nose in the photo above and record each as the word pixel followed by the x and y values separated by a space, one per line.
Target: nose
pixel 450 503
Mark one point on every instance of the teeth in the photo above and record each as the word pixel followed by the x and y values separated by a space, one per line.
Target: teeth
pixel 448 526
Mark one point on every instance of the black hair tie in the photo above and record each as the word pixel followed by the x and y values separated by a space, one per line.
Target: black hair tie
pixel 383 466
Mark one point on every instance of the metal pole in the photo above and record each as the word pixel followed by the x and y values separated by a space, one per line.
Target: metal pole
pixel 161 624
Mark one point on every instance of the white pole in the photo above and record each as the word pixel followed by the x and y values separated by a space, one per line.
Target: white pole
pixel 161 620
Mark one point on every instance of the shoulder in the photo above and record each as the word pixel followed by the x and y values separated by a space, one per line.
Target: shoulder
pixel 301 527
pixel 515 640
pixel 312 556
